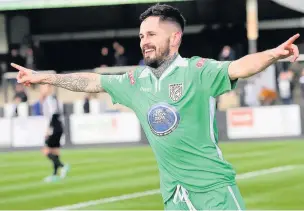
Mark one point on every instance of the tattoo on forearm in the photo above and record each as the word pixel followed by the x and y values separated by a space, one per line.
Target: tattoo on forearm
pixel 77 83
pixel 72 83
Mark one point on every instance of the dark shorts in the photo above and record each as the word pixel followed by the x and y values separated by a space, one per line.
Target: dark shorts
pixel 53 141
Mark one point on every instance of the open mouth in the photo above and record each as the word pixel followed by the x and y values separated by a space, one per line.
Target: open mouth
pixel 148 51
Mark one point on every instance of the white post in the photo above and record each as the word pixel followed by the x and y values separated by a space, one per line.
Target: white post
pixel 252 24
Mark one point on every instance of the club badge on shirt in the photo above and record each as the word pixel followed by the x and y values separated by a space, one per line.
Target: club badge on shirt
pixel 175 91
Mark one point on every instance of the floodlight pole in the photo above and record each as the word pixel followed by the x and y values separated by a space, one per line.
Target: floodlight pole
pixel 252 25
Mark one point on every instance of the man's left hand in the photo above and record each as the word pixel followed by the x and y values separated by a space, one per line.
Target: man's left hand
pixel 287 49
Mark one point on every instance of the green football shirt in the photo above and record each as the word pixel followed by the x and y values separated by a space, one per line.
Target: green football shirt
pixel 177 113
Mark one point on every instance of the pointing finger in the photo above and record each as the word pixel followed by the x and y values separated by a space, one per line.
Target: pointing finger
pixel 292 39
pixel 18 67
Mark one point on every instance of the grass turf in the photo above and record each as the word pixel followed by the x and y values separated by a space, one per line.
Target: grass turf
pixel 101 173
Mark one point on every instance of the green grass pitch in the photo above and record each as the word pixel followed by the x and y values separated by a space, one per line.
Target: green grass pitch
pixel 98 173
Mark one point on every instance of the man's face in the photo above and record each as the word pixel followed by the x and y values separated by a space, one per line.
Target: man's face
pixel 19 88
pixel 14 52
pixel 154 41
pixel 104 51
pixel 226 51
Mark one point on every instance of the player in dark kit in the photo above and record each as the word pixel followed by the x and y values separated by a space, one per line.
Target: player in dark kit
pixel 51 109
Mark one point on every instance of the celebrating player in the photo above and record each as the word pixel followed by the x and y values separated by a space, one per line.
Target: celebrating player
pixel 174 99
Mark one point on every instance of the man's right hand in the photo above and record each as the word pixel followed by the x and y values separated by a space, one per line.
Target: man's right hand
pixel 25 76
pixel 77 82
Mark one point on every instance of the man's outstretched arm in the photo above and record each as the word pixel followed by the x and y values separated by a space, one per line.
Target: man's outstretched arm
pixel 77 82
pixel 254 63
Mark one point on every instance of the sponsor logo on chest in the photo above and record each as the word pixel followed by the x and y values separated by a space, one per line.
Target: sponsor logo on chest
pixel 163 119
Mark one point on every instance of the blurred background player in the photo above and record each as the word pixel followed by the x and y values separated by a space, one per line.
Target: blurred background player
pixel 51 109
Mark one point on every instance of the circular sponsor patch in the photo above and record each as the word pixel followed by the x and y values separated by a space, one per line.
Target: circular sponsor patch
pixel 163 119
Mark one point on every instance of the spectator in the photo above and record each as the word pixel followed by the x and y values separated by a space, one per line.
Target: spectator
pixel 115 46
pixel 20 93
pixel 292 77
pixel 227 54
pixel 120 58
pixel 15 57
pixel 29 59
pixel 86 105
pixel 301 81
pixel 105 58
pixel 37 106
pixel 251 94
pixel 16 101
pixel 19 97
pixel 285 87
pixel 39 59
pixel 36 109
pixel 3 69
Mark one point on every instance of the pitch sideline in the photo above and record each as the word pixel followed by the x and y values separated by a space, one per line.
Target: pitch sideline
pixel 247 175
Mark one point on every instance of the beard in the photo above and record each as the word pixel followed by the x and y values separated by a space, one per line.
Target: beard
pixel 160 56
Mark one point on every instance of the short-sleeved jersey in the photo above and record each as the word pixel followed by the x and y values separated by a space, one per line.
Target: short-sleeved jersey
pixel 177 113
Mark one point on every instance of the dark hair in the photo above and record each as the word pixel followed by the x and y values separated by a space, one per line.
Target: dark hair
pixel 166 13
